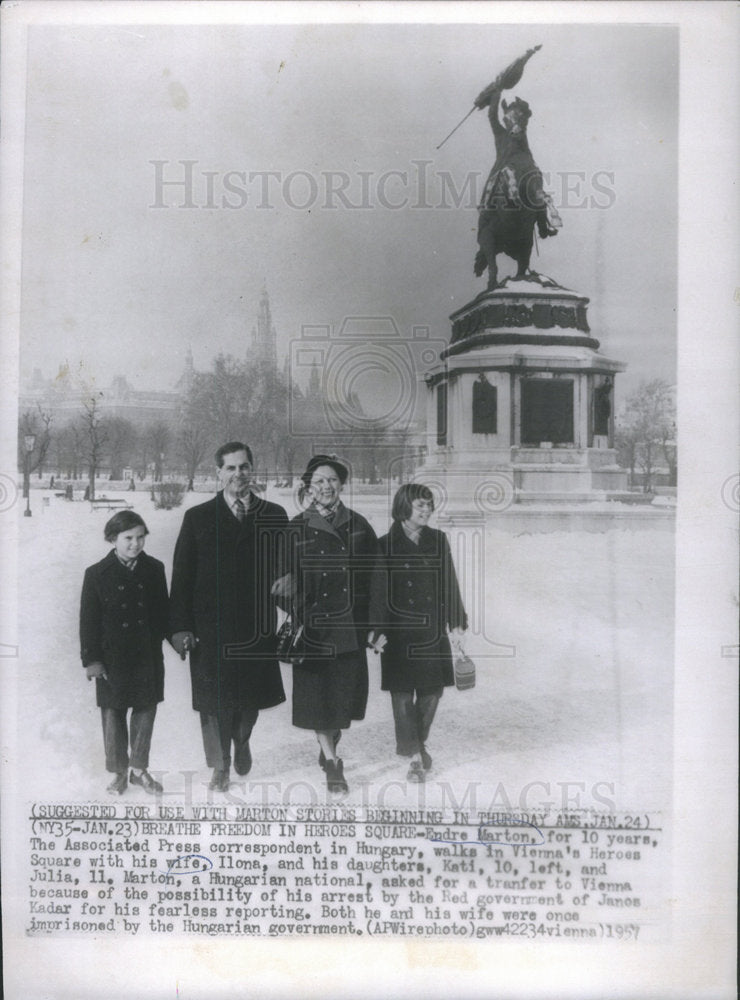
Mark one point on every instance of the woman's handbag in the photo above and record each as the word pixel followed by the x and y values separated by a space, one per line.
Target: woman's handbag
pixel 464 672
pixel 290 645
pixel 464 668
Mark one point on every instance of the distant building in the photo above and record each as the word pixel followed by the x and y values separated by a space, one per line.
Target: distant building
pixel 62 397
pixel 305 419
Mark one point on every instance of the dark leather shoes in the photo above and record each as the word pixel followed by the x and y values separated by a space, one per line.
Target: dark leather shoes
pixel 335 782
pixel 147 782
pixel 219 780
pixel 322 758
pixel 243 760
pixel 416 772
pixel 119 784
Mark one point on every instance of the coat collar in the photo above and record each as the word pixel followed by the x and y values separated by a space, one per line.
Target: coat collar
pixel 112 563
pixel 314 520
pixel 400 541
pixel 255 508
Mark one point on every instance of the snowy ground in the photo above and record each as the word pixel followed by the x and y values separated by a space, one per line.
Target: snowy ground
pixel 576 698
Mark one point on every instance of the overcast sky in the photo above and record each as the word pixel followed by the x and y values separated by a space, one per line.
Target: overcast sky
pixel 123 287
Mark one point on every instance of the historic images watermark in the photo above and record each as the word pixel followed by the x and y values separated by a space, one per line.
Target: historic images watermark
pixel 556 795
pixel 190 184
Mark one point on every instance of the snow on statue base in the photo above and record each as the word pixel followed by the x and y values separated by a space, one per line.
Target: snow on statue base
pixel 520 406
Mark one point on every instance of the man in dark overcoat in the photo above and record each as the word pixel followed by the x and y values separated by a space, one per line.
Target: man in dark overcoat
pixel 227 557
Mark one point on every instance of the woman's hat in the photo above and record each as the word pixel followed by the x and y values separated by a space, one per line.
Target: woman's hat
pixel 313 463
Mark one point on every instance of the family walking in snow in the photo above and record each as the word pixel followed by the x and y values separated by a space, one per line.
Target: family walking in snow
pixel 237 560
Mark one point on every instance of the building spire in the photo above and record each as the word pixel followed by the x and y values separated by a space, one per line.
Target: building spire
pixel 264 338
pixel 185 382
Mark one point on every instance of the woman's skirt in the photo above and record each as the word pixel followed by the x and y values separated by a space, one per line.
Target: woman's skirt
pixel 329 694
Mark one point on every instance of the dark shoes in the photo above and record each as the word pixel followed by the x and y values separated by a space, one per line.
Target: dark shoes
pixel 243 760
pixel 416 772
pixel 335 783
pixel 119 784
pixel 322 758
pixel 146 781
pixel 219 780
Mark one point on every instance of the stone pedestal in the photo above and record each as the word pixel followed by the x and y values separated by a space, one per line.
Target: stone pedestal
pixel 520 406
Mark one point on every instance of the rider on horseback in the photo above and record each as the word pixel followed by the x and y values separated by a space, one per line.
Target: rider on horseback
pixel 514 197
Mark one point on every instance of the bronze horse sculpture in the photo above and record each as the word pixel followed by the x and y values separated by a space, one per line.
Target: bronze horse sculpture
pixel 514 200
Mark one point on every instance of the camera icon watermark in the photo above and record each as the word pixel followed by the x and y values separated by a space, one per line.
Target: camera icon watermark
pixel 9 492
pixel 731 493
pixel 360 379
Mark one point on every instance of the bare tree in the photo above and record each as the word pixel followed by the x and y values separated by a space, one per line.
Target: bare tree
pixel 192 447
pixel 267 397
pixel 158 436
pixel 223 398
pixel 217 406
pixel 670 450
pixel 121 445
pixel 142 455
pixel 36 423
pixel 625 440
pixel 290 446
pixel 647 430
pixel 68 449
pixel 95 436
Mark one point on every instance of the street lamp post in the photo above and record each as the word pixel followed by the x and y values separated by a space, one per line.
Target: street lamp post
pixel 29 442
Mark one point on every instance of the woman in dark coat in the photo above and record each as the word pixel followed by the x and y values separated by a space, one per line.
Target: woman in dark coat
pixel 416 602
pixel 123 622
pixel 334 556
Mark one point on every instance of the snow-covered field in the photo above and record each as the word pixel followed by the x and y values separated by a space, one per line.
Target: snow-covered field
pixel 572 704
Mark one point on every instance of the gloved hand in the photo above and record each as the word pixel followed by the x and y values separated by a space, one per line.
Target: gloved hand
pixel 457 636
pixel 182 643
pixel 95 670
pixel 376 641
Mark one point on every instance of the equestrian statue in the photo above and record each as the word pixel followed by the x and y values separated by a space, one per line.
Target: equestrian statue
pixel 514 199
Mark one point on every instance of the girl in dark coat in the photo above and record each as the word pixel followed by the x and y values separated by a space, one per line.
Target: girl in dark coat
pixel 334 557
pixel 123 622
pixel 417 599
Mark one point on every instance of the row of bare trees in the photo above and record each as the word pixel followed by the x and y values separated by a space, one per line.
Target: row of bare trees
pixel 92 442
pixel 283 423
pixel 234 400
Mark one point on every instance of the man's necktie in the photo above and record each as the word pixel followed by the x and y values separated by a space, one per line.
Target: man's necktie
pixel 240 509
